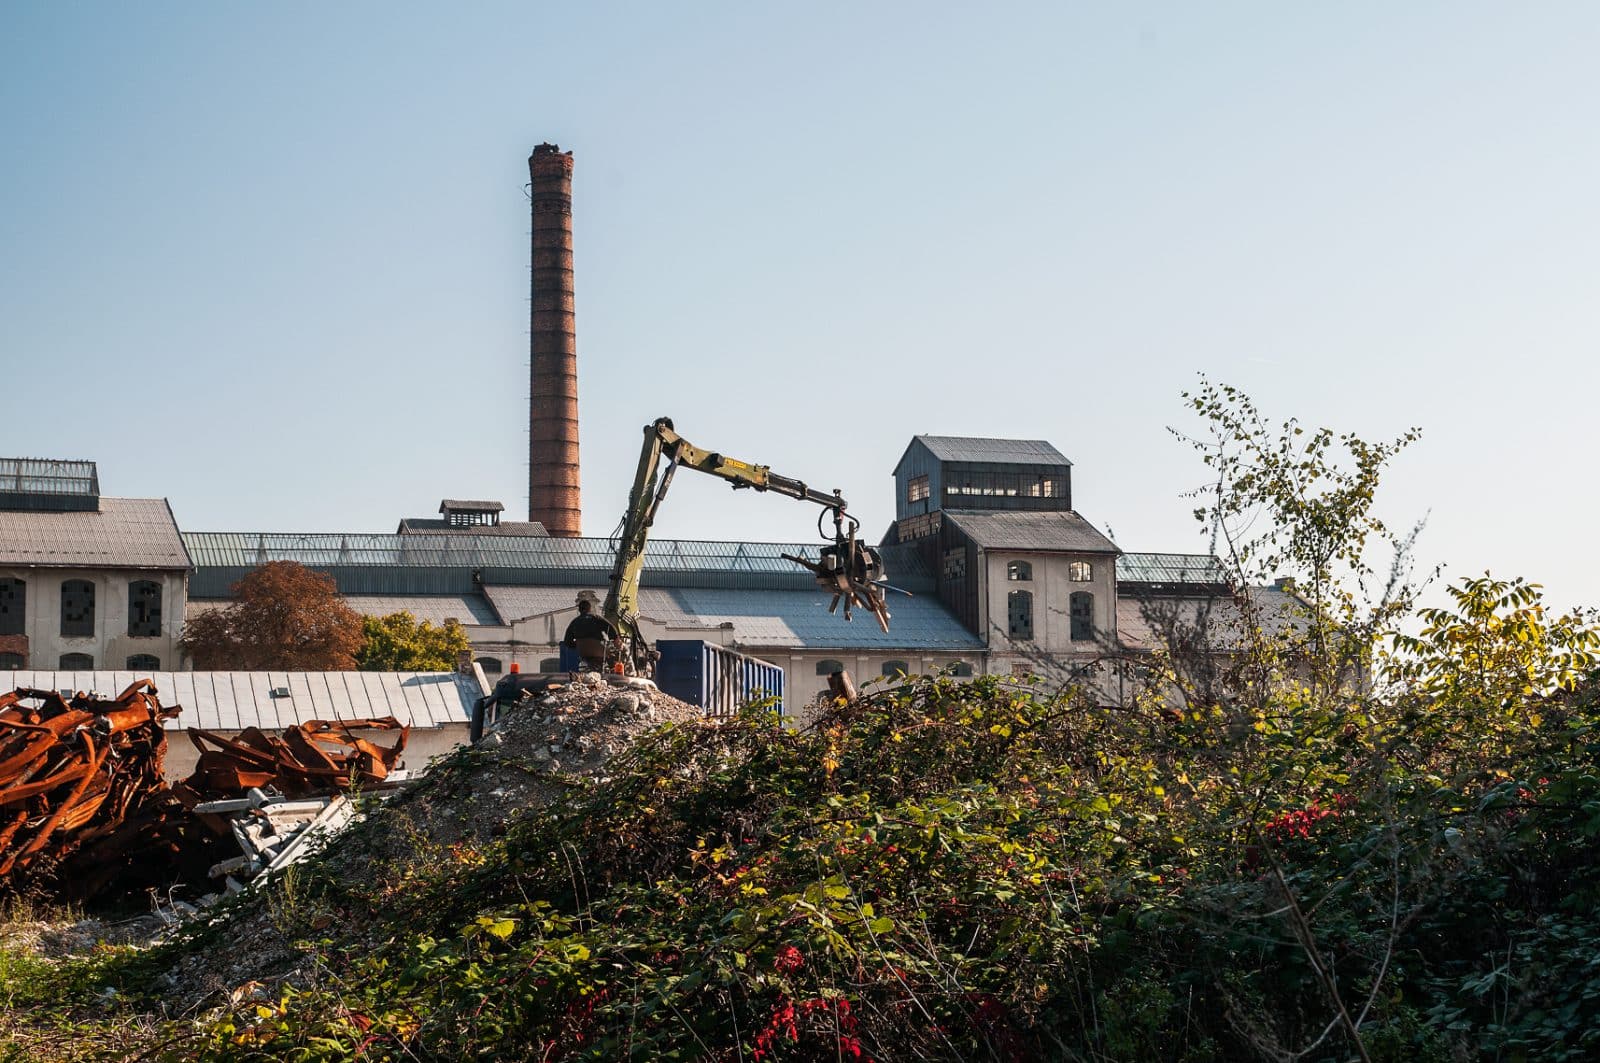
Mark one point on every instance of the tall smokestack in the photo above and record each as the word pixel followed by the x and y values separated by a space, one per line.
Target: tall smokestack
pixel 553 349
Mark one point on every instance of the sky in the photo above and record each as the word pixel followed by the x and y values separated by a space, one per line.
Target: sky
pixel 270 261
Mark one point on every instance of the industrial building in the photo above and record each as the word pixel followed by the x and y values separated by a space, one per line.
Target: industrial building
pixel 1007 577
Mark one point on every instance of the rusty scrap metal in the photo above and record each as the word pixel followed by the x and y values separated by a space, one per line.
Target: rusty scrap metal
pixel 313 758
pixel 74 770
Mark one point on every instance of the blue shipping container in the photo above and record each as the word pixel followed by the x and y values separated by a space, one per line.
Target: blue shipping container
pixel 718 680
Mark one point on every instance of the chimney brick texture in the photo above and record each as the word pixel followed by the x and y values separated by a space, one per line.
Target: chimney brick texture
pixel 553 498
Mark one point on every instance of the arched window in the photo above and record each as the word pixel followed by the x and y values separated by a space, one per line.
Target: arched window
pixel 550 664
pixel 1019 614
pixel 144 608
pixel 13 608
pixel 1080 609
pixel 144 662
pixel 896 669
pixel 76 662
pixel 10 662
pixel 961 669
pixel 829 667
pixel 77 608
pixel 1019 571
pixel 491 665
pixel 1080 571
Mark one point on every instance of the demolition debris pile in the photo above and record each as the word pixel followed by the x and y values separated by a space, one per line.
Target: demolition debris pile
pixel 80 784
pixel 85 811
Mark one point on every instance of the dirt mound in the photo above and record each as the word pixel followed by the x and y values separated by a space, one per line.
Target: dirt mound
pixel 535 752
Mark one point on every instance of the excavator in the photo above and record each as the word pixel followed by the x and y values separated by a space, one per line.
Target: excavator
pixel 846 567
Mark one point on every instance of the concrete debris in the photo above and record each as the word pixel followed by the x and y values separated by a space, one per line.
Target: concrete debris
pixel 272 833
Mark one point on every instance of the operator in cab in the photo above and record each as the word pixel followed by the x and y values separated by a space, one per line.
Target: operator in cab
pixel 588 635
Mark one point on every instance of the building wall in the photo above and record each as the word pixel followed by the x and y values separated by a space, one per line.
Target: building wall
pixel 110 645
pixel 1052 589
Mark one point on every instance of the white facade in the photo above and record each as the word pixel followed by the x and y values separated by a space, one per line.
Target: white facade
pixel 121 606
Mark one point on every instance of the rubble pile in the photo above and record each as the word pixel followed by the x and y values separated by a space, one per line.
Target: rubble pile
pixel 558 734
pixel 80 781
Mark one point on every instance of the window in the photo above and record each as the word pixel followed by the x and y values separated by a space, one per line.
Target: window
pixel 1019 572
pixel 829 667
pixel 77 608
pixel 550 664
pixel 1019 614
pixel 917 489
pixel 1080 609
pixel 144 662
pixel 491 665
pixel 13 607
pixel 76 662
pixel 10 662
pixel 896 669
pixel 144 608
pixel 960 669
pixel 1080 571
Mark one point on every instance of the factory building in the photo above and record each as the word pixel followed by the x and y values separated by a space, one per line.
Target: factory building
pixel 85 581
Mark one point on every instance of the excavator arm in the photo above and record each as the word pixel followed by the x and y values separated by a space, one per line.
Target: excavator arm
pixel 848 568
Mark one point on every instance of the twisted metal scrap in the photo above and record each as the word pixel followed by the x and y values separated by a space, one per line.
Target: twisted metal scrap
pixel 317 757
pixel 73 771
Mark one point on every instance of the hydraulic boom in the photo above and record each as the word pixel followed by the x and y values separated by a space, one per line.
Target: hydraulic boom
pixel 847 567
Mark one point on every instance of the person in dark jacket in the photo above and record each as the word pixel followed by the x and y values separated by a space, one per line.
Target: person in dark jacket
pixel 588 635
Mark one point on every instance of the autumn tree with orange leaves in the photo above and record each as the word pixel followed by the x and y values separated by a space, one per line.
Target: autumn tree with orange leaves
pixel 284 616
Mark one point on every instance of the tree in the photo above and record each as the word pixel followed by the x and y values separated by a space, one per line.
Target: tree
pixel 284 616
pixel 398 643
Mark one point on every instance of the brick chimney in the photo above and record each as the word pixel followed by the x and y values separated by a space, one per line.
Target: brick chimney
pixel 552 349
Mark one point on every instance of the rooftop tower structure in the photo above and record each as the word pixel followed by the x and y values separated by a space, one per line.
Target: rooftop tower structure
pixel 553 498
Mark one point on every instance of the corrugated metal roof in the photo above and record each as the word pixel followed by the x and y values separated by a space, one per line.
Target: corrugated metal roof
pixel 122 533
pixel 763 619
pixel 1030 530
pixel 232 701
pixel 1001 451
pixel 476 505
pixel 434 608
pixel 1171 568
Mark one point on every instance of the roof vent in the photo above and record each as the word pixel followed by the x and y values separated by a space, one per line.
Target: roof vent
pixel 280 692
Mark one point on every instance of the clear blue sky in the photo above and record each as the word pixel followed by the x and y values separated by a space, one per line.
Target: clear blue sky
pixel 270 261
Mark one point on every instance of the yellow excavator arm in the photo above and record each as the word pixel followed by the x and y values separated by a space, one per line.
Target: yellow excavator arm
pixel 848 568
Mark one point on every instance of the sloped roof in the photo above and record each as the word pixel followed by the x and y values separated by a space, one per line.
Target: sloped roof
pixel 1030 530
pixel 232 701
pixel 122 533
pixel 434 608
pixel 999 451
pixel 1144 624
pixel 1171 568
pixel 766 619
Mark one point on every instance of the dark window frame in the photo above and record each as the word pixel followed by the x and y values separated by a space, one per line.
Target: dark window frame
pixel 144 609
pixel 1080 611
pixel 144 662
pixel 1019 616
pixel 548 665
pixel 918 489
pixel 485 662
pixel 77 621
pixel 1019 571
pixel 895 669
pixel 75 662
pixel 1080 571
pixel 828 666
pixel 11 662
pixel 13 606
